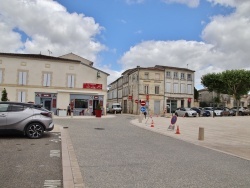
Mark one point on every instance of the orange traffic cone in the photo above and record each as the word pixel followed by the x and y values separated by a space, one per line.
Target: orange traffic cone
pixel 152 124
pixel 177 130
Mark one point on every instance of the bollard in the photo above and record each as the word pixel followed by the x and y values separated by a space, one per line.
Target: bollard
pixel 71 114
pixel 201 133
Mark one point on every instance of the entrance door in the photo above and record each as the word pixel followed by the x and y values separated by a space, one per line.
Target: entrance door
pixel 47 104
pixel 157 107
pixel 95 103
pixel 125 107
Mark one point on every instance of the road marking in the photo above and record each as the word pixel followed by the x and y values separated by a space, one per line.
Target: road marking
pixel 55 153
pixel 52 183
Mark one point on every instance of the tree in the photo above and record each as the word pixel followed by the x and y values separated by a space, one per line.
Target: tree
pixel 231 82
pixel 4 95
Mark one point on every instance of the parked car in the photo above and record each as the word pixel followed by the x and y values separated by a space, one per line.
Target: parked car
pixel 242 111
pixel 205 113
pixel 185 112
pixel 224 111
pixel 197 110
pixel 231 112
pixel 28 118
pixel 216 112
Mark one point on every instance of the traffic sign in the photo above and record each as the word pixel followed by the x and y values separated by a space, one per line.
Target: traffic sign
pixel 143 103
pixel 173 119
pixel 143 109
pixel 136 100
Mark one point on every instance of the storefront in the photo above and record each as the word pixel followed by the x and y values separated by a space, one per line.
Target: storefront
pixel 47 100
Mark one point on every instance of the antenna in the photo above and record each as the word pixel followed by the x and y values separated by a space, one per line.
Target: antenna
pixel 49 52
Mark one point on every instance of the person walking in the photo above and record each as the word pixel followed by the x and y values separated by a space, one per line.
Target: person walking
pixel 68 110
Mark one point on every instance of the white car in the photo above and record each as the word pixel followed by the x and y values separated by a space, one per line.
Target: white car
pixel 215 111
pixel 185 112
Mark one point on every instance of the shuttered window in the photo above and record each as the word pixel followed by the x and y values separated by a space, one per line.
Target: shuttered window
pixel 71 81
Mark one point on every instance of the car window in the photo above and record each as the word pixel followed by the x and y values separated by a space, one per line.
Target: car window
pixel 4 107
pixel 16 108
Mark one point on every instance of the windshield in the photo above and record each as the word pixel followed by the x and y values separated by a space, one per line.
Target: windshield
pixel 116 106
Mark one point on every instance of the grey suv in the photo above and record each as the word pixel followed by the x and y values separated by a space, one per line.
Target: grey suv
pixel 28 118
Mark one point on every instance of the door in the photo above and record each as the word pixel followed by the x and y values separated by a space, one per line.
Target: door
pixel 95 103
pixel 47 104
pixel 125 106
pixel 3 115
pixel 157 107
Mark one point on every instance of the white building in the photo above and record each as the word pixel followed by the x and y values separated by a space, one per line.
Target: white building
pixel 54 82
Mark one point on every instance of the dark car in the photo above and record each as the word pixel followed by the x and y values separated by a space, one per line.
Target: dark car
pixel 197 110
pixel 205 113
pixel 28 118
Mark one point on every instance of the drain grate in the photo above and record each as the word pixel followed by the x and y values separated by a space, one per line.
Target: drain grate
pixel 99 128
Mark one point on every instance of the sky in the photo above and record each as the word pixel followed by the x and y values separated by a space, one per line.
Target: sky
pixel 203 35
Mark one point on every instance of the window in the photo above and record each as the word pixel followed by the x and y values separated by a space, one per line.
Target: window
pixel 146 76
pixel 189 77
pixel 182 76
pixel 157 76
pixel 21 96
pixel 81 103
pixel 4 107
pixel 22 80
pixel 146 89
pixel 168 87
pixel 168 74
pixel 71 81
pixel 189 88
pixel 157 89
pixel 176 89
pixel 16 108
pixel 183 88
pixel 46 79
pixel 175 75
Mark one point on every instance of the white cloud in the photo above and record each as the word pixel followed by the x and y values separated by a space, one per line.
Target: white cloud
pixel 48 25
pixel 226 46
pixel 190 3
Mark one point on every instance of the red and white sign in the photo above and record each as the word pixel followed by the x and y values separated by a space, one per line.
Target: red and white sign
pixel 130 97
pixel 136 100
pixel 143 103
pixel 147 97
pixel 92 86
pixel 189 99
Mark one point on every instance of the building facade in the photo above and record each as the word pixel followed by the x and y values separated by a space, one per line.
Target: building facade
pixel 162 88
pixel 225 100
pixel 54 82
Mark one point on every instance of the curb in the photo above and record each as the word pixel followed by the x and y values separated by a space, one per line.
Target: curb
pixel 72 177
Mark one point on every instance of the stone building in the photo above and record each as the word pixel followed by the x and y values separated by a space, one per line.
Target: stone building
pixel 54 82
pixel 163 88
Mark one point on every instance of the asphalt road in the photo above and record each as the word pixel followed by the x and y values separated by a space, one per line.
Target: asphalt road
pixel 113 153
pixel 30 163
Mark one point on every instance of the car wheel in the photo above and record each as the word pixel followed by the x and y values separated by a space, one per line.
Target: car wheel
pixel 240 114
pixel 186 115
pixel 34 130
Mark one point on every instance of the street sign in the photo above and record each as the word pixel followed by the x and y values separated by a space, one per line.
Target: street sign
pixel 143 103
pixel 143 109
pixel 147 97
pixel 136 100
pixel 173 119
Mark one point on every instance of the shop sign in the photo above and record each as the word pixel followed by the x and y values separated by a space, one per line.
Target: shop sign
pixel 189 99
pixel 92 86
pixel 96 97
pixel 45 95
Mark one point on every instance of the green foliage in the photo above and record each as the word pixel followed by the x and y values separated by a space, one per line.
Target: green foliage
pixel 98 107
pixel 4 95
pixel 232 82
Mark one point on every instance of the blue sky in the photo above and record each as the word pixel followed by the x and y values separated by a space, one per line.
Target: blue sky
pixel 207 35
pixel 127 24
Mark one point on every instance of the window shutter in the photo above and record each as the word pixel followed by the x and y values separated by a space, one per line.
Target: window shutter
pixel 48 79
pixel 45 79
pixel 24 78
pixel 168 87
pixel 1 76
pixel 73 81
pixel 20 78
